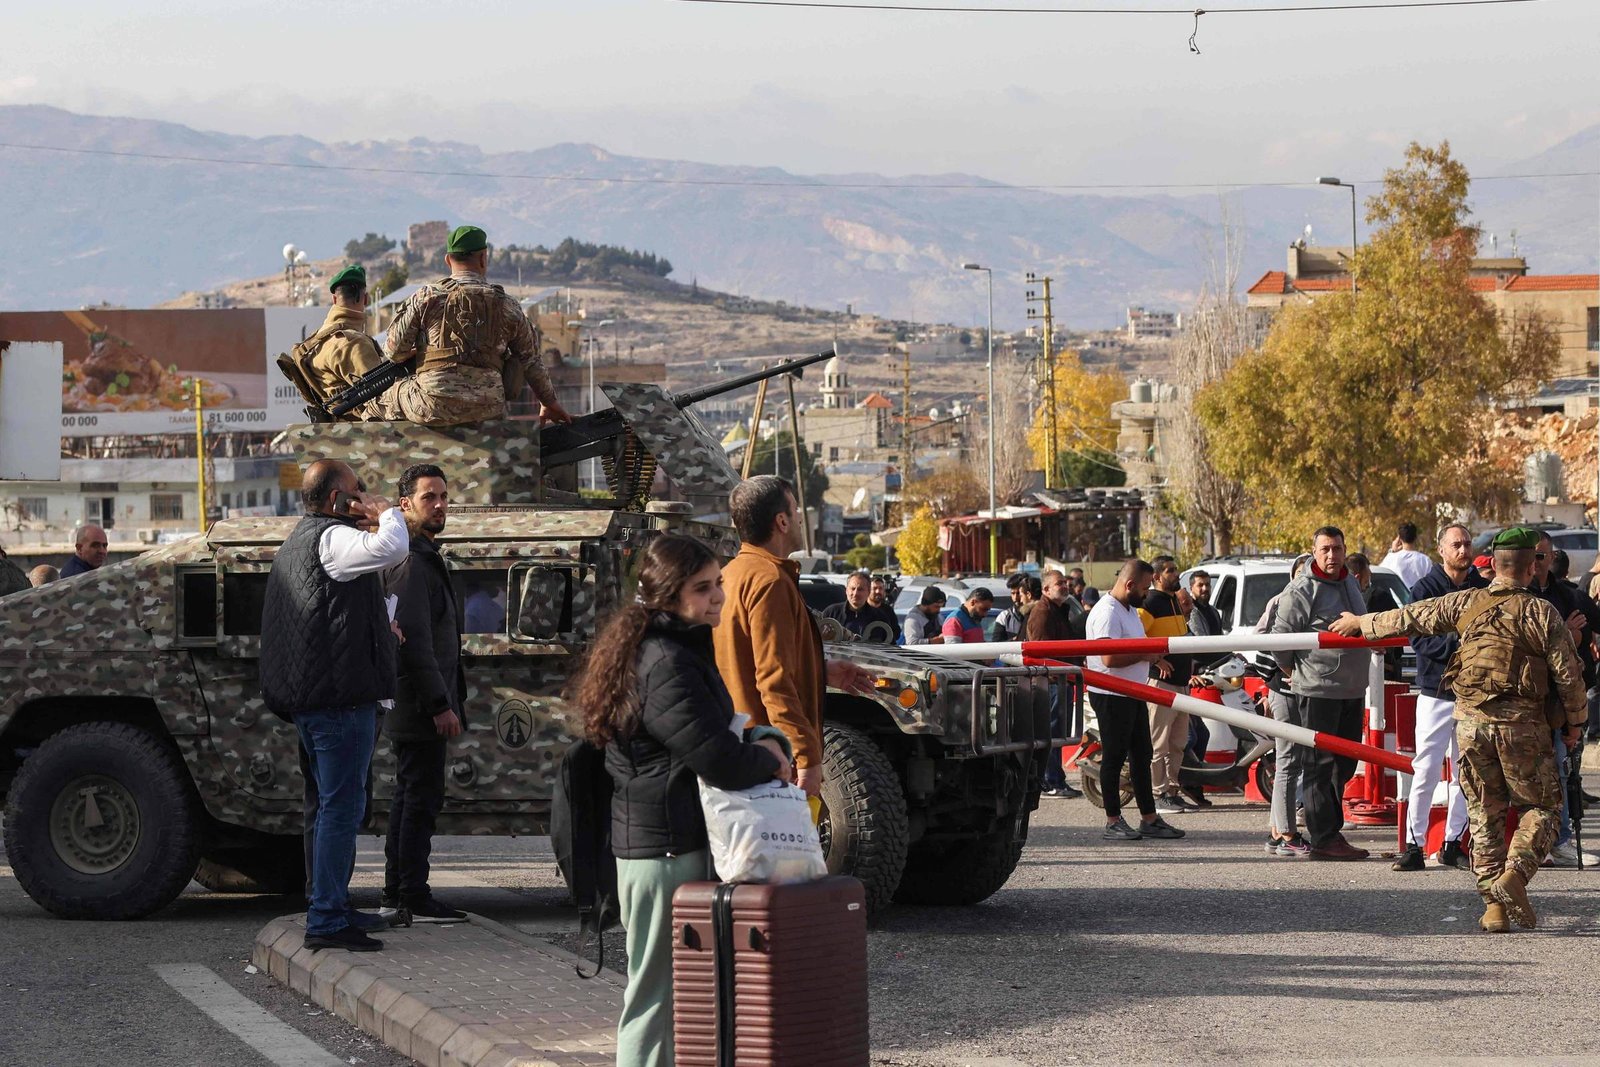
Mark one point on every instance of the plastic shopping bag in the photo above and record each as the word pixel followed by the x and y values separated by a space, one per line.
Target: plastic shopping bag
pixel 762 834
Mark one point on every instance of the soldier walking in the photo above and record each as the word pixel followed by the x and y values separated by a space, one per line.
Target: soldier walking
pixel 1516 676
pixel 473 345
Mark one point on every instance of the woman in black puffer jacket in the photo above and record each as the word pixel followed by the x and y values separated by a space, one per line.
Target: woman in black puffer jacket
pixel 651 695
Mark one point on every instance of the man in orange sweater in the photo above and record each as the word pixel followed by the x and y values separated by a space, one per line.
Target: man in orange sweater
pixel 768 649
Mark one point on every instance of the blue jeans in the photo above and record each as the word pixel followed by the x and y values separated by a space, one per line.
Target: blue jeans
pixel 339 741
pixel 1054 776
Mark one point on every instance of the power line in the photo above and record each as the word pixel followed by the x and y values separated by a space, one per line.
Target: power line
pixel 844 5
pixel 739 182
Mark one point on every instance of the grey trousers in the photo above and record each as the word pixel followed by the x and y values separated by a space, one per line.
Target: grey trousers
pixel 1286 779
pixel 644 891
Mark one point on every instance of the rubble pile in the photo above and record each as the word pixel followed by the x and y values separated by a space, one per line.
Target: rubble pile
pixel 1515 437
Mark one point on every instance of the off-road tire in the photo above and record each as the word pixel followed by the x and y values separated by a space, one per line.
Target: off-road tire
pixel 864 806
pixel 966 872
pixel 275 866
pixel 143 773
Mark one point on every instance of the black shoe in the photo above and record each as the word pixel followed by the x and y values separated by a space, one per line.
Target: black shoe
pixel 1453 855
pixel 433 910
pixel 1068 791
pixel 1589 798
pixel 366 921
pixel 348 938
pixel 1411 860
pixel 1198 796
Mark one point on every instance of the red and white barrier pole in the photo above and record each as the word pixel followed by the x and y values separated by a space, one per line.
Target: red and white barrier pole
pixel 1298 735
pixel 1143 646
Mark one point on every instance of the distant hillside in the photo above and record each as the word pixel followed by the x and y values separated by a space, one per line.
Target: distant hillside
pixel 138 231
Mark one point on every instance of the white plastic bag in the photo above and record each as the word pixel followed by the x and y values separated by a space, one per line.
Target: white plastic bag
pixel 761 834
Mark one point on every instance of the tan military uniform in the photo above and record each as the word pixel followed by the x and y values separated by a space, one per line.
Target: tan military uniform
pixel 472 347
pixel 1516 658
pixel 336 355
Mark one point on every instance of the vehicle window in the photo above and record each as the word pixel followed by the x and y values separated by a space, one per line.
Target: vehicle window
pixel 244 594
pixel 482 596
pixel 198 609
pixel 820 595
pixel 1396 587
pixel 1258 589
pixel 1580 540
pixel 1222 600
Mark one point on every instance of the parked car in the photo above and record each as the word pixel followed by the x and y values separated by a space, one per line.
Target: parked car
pixel 1581 544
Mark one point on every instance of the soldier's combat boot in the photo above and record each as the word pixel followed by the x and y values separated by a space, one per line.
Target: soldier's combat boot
pixel 1510 890
pixel 1494 919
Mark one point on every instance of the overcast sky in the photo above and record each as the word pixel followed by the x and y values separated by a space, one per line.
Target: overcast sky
pixel 1022 98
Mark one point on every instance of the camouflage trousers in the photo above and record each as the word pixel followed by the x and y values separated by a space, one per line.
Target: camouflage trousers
pixel 446 396
pixel 1505 764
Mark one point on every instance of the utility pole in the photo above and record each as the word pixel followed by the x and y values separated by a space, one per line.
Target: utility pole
pixel 905 418
pixel 1047 375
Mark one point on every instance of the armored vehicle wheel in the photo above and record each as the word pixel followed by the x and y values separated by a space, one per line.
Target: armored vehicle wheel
pixel 102 823
pixel 963 872
pixel 277 865
pixel 864 826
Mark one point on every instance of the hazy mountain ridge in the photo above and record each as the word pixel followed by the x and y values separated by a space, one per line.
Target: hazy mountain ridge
pixel 138 231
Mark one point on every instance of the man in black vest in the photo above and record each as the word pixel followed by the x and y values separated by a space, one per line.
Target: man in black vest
pixel 428 704
pixel 327 661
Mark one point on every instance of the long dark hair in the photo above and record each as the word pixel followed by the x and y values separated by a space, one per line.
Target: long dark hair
pixel 605 687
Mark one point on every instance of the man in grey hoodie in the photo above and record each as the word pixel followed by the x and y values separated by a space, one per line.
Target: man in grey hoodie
pixel 1330 686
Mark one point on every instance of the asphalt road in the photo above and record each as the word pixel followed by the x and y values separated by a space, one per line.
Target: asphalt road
pixel 1202 950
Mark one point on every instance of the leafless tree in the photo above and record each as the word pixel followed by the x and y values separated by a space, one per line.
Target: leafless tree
pixel 1013 459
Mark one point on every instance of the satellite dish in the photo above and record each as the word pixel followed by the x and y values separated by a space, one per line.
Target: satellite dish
pixel 299 256
pixel 289 252
pixel 859 501
pixel 1308 233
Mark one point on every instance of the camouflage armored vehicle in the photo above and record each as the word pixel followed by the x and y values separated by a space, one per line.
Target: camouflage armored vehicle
pixel 137 753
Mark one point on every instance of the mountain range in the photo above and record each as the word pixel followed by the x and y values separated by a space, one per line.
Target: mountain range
pixel 131 211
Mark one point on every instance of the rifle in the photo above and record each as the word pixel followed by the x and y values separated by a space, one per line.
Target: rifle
pixel 1575 796
pixel 371 384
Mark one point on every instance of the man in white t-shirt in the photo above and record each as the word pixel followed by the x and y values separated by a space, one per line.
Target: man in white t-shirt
pixel 1124 722
pixel 1404 559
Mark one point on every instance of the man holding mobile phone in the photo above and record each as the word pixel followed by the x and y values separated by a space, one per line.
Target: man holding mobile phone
pixel 428 703
pixel 327 662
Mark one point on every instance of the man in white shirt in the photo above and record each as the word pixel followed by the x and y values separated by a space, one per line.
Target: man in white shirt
pixel 1404 559
pixel 327 663
pixel 1124 722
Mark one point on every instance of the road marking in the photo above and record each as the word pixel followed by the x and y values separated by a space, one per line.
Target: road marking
pixel 236 1013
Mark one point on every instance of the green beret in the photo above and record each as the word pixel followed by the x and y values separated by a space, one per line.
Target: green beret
pixel 1517 537
pixel 465 240
pixel 355 272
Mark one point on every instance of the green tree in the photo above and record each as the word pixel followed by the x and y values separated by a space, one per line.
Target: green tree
pixel 393 278
pixel 866 556
pixel 816 479
pixel 917 548
pixel 365 249
pixel 1090 466
pixel 1365 409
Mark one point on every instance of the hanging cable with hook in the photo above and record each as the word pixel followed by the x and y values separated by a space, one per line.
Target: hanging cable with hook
pixel 1192 46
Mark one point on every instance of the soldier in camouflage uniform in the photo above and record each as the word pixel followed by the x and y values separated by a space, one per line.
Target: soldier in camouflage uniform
pixel 333 358
pixel 474 346
pixel 1516 676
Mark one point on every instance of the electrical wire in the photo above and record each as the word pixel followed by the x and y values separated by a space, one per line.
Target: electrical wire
pixel 985 186
pixel 845 5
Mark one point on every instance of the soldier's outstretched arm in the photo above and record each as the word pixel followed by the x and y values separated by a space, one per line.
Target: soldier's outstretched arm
pixel 1437 615
pixel 1566 669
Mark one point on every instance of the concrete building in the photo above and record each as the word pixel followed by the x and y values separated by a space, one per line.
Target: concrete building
pixel 1570 303
pixel 1145 326
pixel 1144 427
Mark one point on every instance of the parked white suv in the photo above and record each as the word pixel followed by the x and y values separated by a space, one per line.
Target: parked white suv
pixel 1581 546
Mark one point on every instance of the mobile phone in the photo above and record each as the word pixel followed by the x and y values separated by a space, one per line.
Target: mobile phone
pixel 342 503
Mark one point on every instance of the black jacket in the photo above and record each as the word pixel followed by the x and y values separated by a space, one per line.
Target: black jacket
pixel 861 622
pixel 1567 598
pixel 683 734
pixel 324 644
pixel 1433 653
pixel 431 679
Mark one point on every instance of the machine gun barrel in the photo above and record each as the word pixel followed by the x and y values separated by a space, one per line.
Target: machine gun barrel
pixel 586 435
pixel 369 385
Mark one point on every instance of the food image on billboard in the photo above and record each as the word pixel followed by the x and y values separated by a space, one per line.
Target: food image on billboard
pixel 128 371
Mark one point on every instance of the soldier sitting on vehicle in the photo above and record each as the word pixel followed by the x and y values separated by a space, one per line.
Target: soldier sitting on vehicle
pixel 470 343
pixel 337 355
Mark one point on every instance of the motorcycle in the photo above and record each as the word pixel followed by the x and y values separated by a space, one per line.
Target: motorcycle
pixel 1255 755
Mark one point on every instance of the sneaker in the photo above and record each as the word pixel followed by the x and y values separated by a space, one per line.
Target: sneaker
pixel 1166 804
pixel 1060 791
pixel 1411 860
pixel 1338 849
pixel 1567 855
pixel 1160 829
pixel 349 938
pixel 1294 848
pixel 1070 791
pixel 1271 847
pixel 433 910
pixel 1453 855
pixel 366 920
pixel 1197 796
pixel 1120 831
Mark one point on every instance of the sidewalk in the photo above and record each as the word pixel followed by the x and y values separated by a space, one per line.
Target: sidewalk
pixel 464 995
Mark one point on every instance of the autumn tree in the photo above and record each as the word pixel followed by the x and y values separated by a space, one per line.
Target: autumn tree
pixel 1368 409
pixel 1084 425
pixel 951 488
pixel 917 548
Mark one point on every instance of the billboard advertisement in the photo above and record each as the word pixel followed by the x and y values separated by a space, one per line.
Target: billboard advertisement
pixel 124 371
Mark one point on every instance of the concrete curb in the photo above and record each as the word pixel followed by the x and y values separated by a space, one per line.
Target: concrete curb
pixel 467 995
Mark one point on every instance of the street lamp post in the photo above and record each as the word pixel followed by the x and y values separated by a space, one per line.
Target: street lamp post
pixel 994 511
pixel 1353 244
